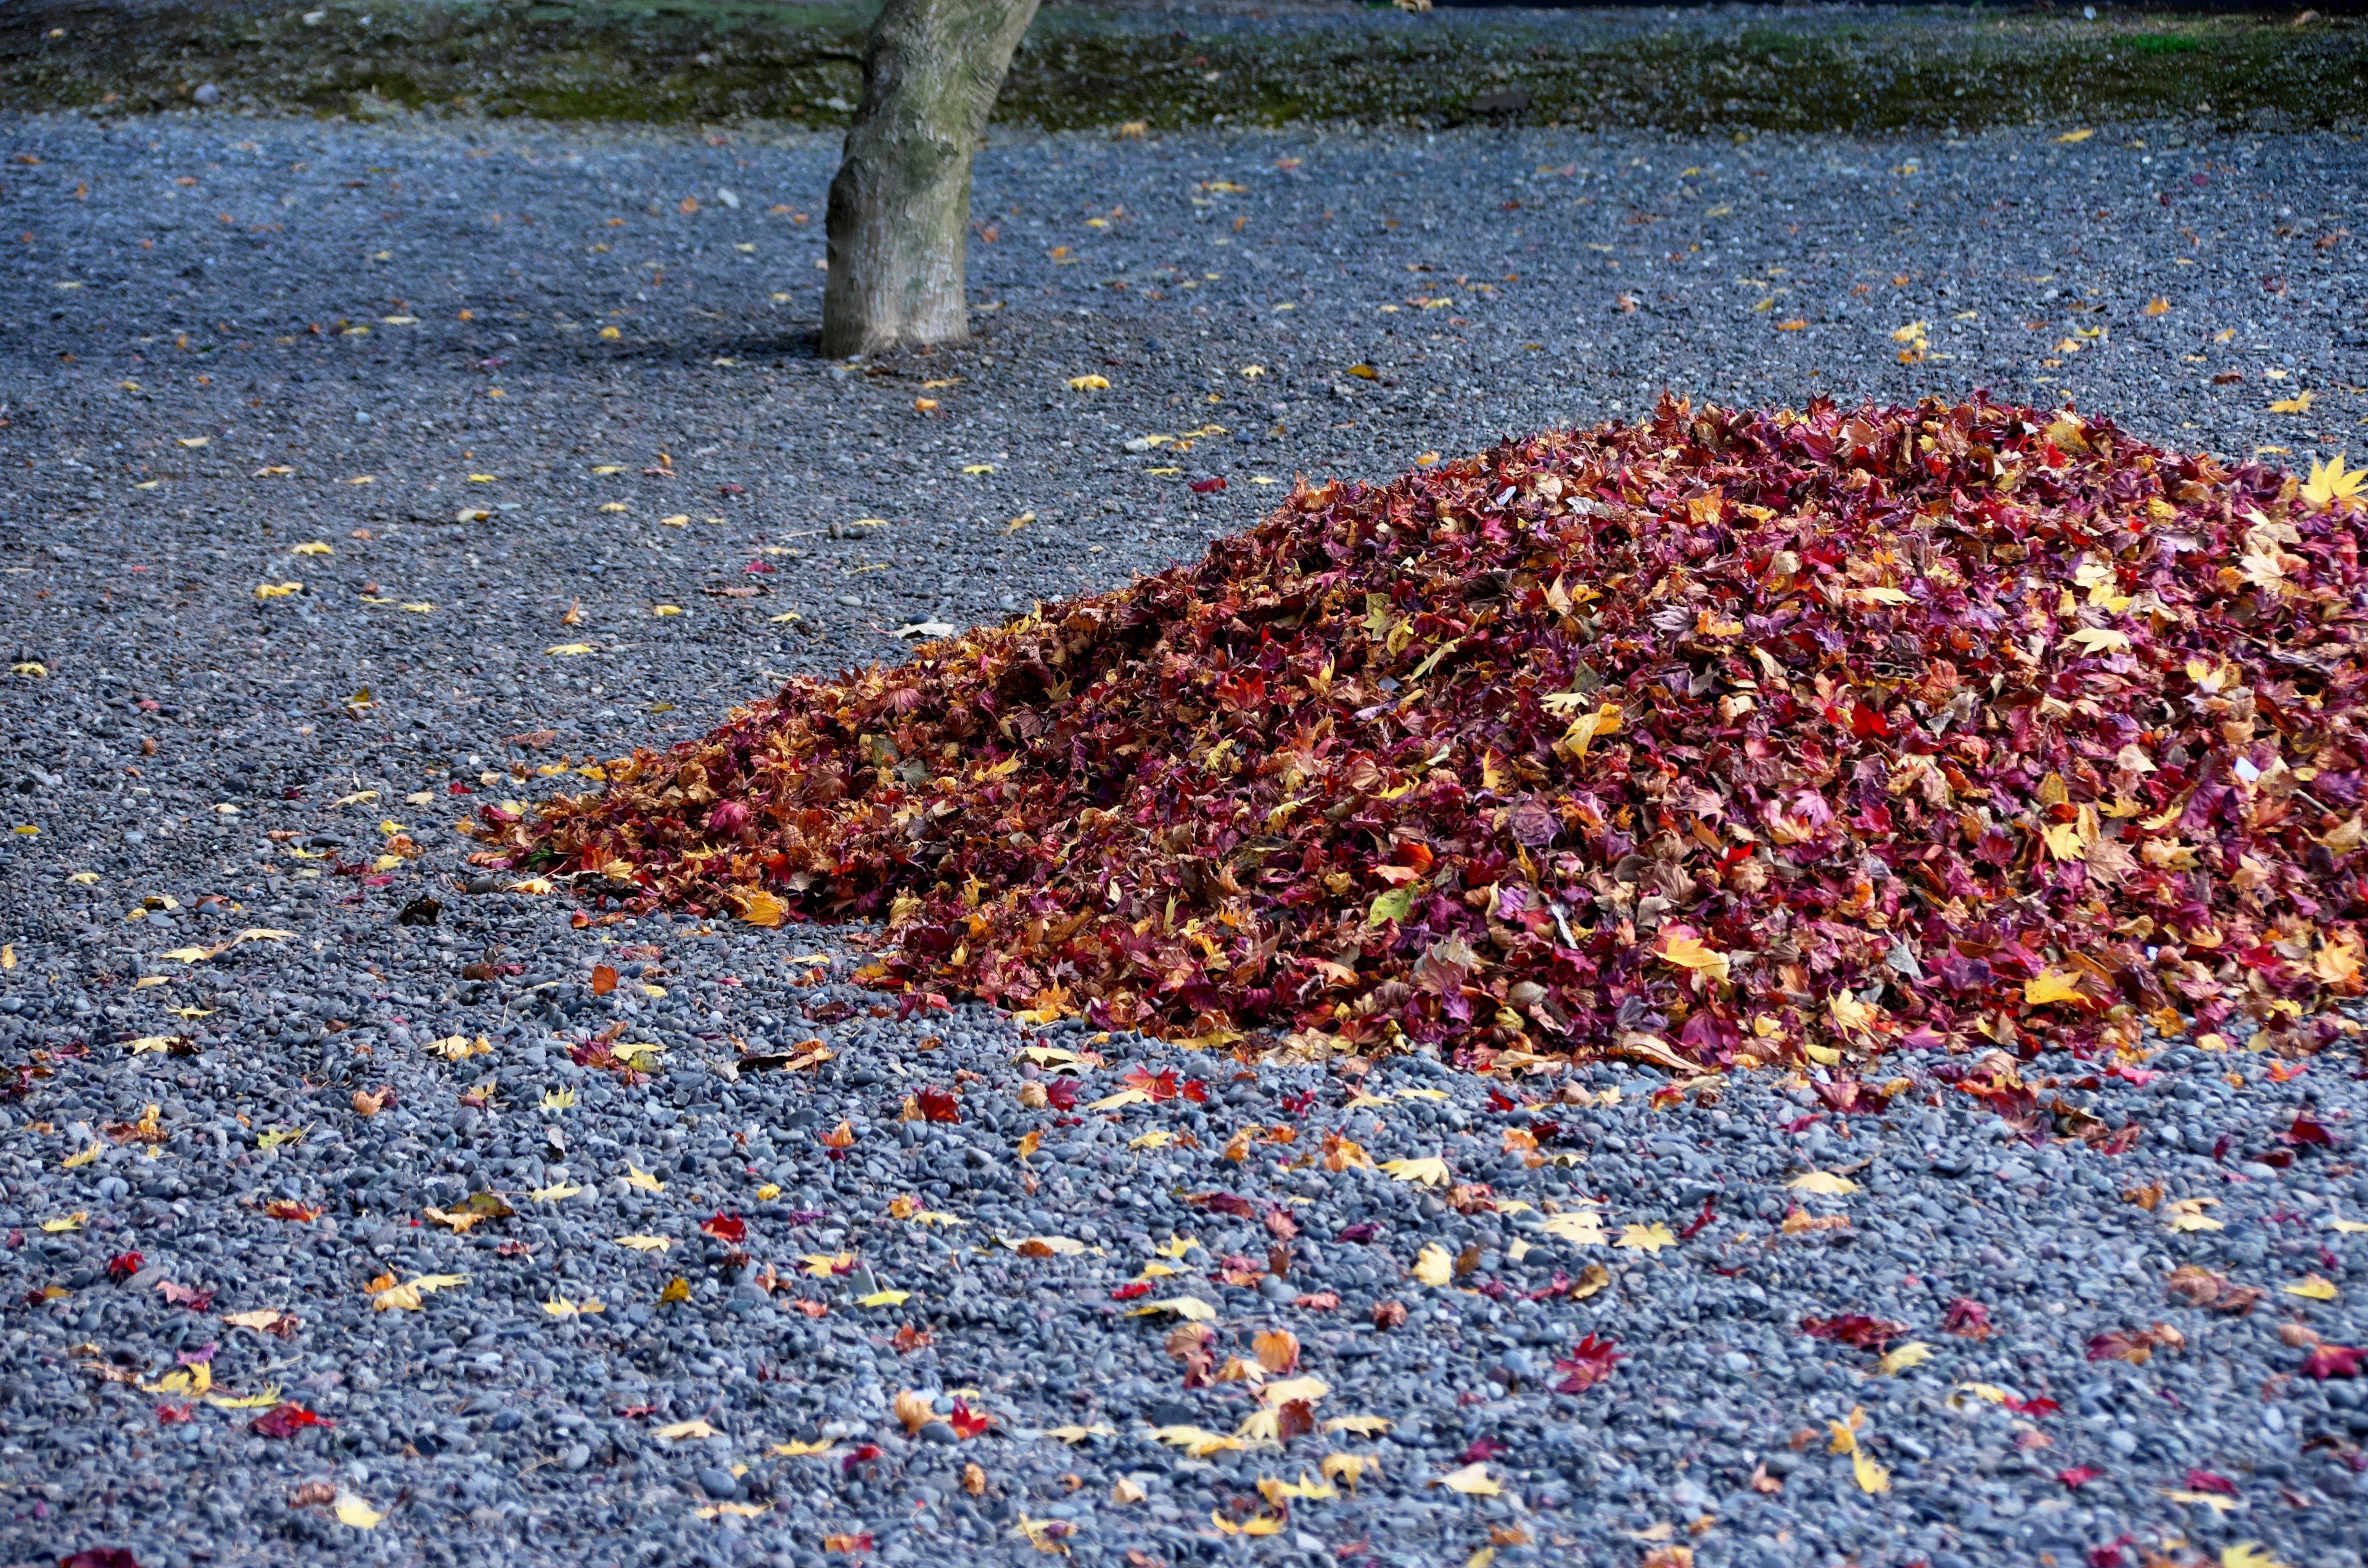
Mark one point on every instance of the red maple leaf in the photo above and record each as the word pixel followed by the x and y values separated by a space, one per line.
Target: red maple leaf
pixel 1588 1363
pixel 2080 1475
pixel 1967 1319
pixel 123 1266
pixel 2333 1361
pixel 1130 1291
pixel 2208 1481
pixel 1481 1449
pixel 1062 1094
pixel 968 1423
pixel 863 1453
pixel 286 1419
pixel 1855 1329
pixel 1158 1085
pixel 726 1228
pixel 2306 1131
pixel 938 1104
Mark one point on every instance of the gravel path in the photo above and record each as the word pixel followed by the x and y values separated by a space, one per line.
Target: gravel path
pixel 492 396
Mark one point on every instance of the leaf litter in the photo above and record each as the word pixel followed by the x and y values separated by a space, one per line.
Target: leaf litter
pixel 1719 739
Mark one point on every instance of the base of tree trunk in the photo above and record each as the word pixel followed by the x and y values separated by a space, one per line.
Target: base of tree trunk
pixel 900 205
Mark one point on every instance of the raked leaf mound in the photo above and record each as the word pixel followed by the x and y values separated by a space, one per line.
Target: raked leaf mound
pixel 1722 738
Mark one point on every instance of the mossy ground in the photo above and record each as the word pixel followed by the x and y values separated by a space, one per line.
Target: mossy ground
pixel 708 61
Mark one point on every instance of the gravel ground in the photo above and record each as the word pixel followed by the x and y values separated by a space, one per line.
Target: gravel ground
pixel 246 353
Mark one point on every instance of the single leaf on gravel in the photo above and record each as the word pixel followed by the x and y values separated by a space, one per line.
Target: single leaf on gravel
pixel 2187 1214
pixel 1073 1436
pixel 884 1298
pixel 1359 1426
pixel 286 1419
pixel 1871 1477
pixel 2311 1287
pixel 1043 1246
pixel 1196 1442
pixel 1825 1184
pixel 386 1295
pixel 263 1319
pixel 561 1307
pixel 1348 1468
pixel 681 1430
pixel 1277 1351
pixel 1430 1171
pixel 636 1176
pixel 1646 1238
pixel 645 1244
pixel 1473 1481
pixel 555 1193
pixel 1306 1389
pixel 1898 1360
pixel 1190 1308
pixel 355 1511
pixel 1434 1266
pixel 797 1448
pixel 2211 1500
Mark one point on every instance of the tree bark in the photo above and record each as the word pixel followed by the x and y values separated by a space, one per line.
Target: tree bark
pixel 900 205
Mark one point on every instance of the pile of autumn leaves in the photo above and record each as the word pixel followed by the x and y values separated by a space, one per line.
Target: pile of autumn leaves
pixel 1724 737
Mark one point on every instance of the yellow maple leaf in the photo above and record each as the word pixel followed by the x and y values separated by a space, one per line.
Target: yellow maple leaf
pixel 758 907
pixel 2100 640
pixel 2248 1554
pixel 685 1429
pixel 1073 1436
pixel 2298 403
pixel 1898 1360
pixel 1190 1308
pixel 2050 985
pixel 354 1510
pixel 2329 482
pixel 797 1448
pixel 1348 1468
pixel 1646 1238
pixel 1824 1184
pixel 1433 1266
pixel 1690 952
pixel 636 1176
pixel 884 1298
pixel 2311 1287
pixel 1283 1391
pixel 1430 1171
pixel 1871 1477
pixel 1199 1442
pixel 1473 1481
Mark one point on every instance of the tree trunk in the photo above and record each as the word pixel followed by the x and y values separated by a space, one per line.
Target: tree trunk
pixel 900 205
